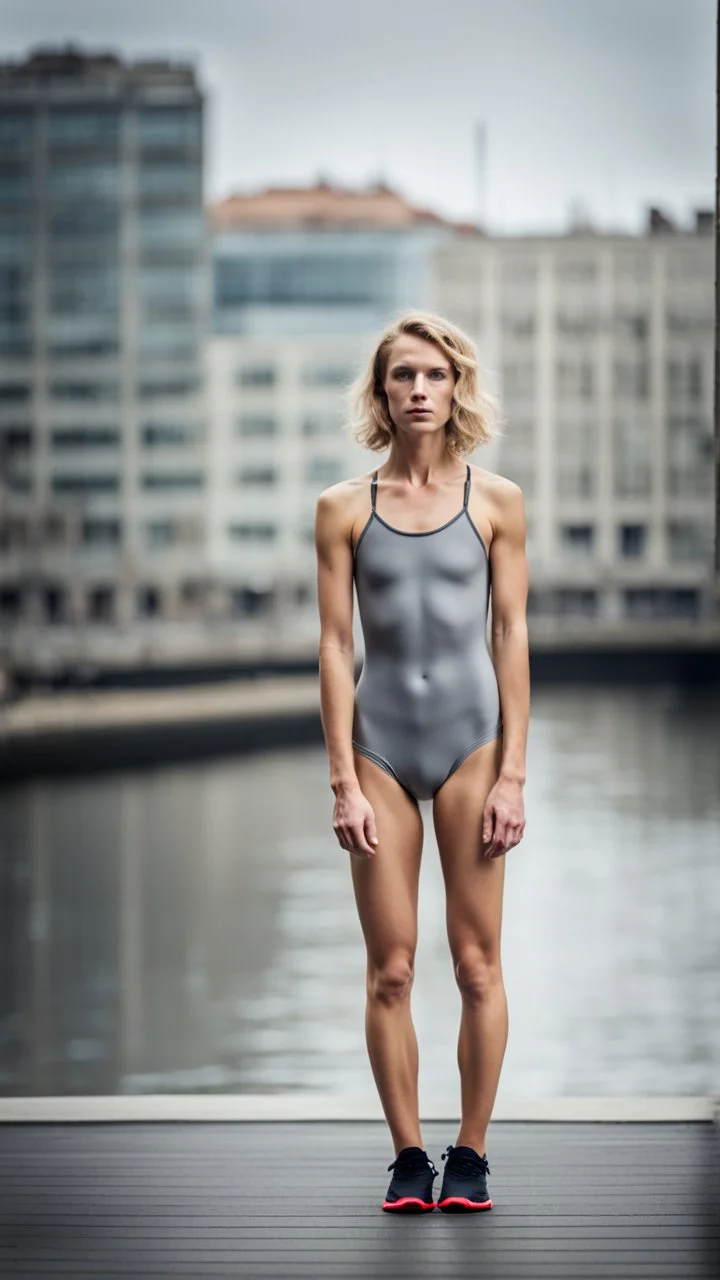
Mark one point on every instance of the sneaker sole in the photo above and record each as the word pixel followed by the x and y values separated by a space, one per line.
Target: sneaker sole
pixel 408 1204
pixel 459 1204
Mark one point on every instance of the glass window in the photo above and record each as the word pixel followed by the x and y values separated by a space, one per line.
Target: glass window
pixel 690 450
pixel 101 532
pixel 258 475
pixel 14 392
pixel 327 375
pixel 170 181
pixel 86 484
pixel 74 127
pixel 169 127
pixel 170 228
pixel 73 181
pixel 689 540
pixel 101 604
pixel 15 184
pixel 632 451
pixel 320 423
pixel 76 290
pixel 632 379
pixel 257 531
pixel 85 437
pixel 518 379
pixel 571 602
pixel 251 425
pixel 575 379
pixel 658 602
pixel 577 540
pixel 258 375
pixel 16 131
pixel 632 539
pixel 159 533
pixel 327 279
pixel 152 389
pixel 323 470
pixel 172 480
pixel 109 390
pixel 170 433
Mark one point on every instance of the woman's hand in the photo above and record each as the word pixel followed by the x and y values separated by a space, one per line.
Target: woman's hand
pixel 354 822
pixel 503 823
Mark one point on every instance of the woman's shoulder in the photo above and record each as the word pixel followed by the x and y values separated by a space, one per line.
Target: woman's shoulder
pixel 494 485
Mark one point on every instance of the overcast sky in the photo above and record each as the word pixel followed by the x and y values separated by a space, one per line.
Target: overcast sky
pixel 604 103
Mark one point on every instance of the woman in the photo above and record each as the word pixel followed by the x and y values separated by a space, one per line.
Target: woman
pixel 433 717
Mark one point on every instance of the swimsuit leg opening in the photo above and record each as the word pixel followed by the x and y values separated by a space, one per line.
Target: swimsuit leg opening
pixel 484 741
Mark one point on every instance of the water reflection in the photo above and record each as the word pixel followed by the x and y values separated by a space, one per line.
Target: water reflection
pixel 193 928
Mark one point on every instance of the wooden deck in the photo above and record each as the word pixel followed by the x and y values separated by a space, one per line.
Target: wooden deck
pixel 301 1198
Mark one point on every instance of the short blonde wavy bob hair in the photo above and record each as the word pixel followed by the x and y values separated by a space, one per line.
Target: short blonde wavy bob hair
pixel 474 419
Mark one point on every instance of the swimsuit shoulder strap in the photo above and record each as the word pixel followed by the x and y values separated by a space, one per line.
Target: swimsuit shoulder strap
pixel 466 499
pixel 373 490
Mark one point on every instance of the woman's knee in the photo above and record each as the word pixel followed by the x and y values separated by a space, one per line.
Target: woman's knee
pixel 477 973
pixel 390 980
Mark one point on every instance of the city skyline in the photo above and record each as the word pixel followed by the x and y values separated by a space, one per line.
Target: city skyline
pixel 639 80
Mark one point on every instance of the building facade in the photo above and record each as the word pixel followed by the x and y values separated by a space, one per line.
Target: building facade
pixel 601 348
pixel 105 309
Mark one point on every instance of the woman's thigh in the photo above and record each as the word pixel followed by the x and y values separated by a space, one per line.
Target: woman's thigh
pixel 473 883
pixel 386 886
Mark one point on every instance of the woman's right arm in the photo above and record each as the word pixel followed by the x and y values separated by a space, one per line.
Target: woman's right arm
pixel 353 818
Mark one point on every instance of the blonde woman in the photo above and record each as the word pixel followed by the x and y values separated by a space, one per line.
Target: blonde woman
pixel 433 716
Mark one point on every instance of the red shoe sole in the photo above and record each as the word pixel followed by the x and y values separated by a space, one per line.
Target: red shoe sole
pixel 408 1204
pixel 459 1204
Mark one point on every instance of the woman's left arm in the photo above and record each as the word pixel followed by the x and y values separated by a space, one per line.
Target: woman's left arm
pixel 504 813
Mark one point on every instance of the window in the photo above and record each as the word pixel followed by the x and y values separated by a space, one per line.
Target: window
pixel 632 539
pixel 327 375
pixel 322 424
pixel 16 131
pixel 578 540
pixel 632 379
pixel 576 455
pixel 690 449
pixel 101 604
pixel 578 324
pixel 159 533
pixel 169 127
pixel 253 425
pixel 569 602
pixel 518 379
pixel 685 379
pixel 350 279
pixel 10 602
pixel 86 484
pixel 170 433
pixel 98 532
pixel 257 531
pixel 658 602
pixel 259 375
pixel 575 379
pixel 85 437
pixel 82 128
pixel 689 541
pixel 176 182
pixel 152 389
pixel 518 325
pixel 67 181
pixel 148 601
pixel 170 227
pixel 632 450
pixel 14 392
pixel 323 470
pixel 246 602
pixel 172 480
pixel 631 324
pixel 109 390
pixel 258 476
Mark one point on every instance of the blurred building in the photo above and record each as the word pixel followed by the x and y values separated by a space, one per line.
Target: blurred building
pixel 105 305
pixel 303 279
pixel 602 349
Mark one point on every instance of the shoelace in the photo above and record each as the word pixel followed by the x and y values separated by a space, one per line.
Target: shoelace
pixel 465 1164
pixel 413 1164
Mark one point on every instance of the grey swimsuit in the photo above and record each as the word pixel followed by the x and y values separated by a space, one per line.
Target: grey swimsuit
pixel 427 694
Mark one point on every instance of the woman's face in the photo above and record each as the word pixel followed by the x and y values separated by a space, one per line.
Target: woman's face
pixel 419 381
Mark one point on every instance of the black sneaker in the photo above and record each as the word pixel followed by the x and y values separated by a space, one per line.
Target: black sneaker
pixel 464 1185
pixel 411 1188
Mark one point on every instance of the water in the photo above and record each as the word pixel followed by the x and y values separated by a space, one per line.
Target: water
pixel 193 928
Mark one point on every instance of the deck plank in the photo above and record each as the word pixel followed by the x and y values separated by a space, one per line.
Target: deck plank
pixel 572 1201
